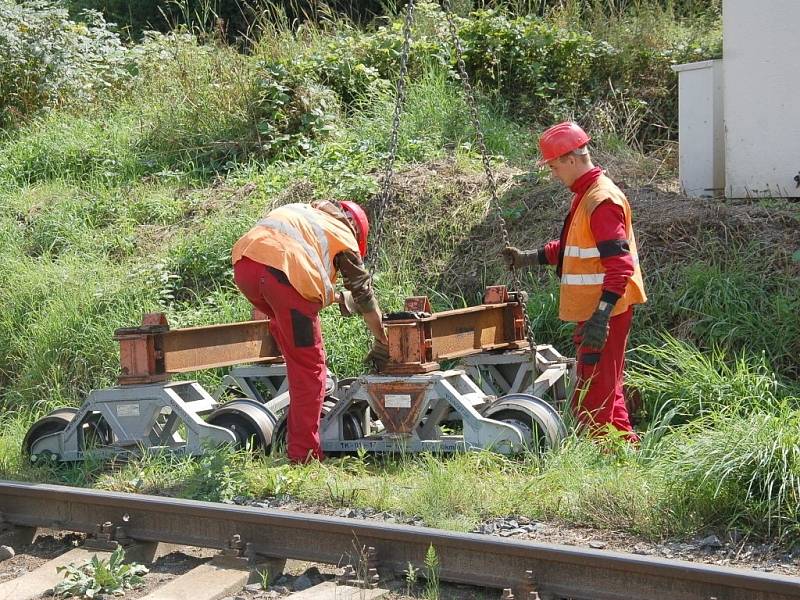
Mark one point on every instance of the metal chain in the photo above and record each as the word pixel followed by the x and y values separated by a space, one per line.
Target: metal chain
pixel 388 175
pixel 469 92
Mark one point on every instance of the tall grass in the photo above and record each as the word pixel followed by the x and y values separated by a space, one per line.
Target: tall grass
pixel 738 470
pixel 674 377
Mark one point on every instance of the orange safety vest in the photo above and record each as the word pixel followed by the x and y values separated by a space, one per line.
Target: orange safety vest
pixel 302 242
pixel 582 272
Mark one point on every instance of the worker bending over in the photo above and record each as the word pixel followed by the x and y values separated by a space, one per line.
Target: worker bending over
pixel 287 266
pixel 598 265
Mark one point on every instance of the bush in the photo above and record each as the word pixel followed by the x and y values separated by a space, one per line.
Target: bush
pixel 543 66
pixel 618 77
pixel 49 60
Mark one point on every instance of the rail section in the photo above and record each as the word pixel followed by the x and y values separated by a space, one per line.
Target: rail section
pixel 552 571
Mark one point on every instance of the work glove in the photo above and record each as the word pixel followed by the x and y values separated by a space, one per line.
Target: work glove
pixel 347 306
pixel 516 258
pixel 378 356
pixel 595 330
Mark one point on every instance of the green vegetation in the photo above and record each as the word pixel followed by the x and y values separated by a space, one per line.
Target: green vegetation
pixel 127 170
pixel 99 576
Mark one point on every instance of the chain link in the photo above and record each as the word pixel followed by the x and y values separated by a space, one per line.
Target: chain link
pixel 388 175
pixel 469 92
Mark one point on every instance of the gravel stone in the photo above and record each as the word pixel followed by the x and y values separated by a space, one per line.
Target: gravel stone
pixel 711 543
pixel 314 575
pixel 302 583
pixel 6 552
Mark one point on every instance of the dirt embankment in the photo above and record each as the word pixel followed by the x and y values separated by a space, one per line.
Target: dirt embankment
pixel 440 219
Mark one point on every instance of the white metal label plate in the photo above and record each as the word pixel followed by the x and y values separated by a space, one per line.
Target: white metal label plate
pixel 128 410
pixel 397 401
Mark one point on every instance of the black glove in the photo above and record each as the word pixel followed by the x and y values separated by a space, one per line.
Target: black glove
pixel 595 330
pixel 378 356
pixel 516 258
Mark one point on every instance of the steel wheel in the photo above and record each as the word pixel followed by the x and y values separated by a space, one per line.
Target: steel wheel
pixel 95 430
pixel 248 420
pixel 540 424
pixel 352 426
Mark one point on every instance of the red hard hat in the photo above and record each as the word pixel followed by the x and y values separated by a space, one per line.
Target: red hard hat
pixel 362 224
pixel 560 139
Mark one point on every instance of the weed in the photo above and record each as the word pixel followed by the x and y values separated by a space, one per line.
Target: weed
pixel 431 574
pixel 264 579
pixel 219 475
pixel 410 575
pixel 100 576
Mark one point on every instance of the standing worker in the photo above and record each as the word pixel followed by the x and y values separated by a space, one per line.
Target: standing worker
pixel 287 266
pixel 598 265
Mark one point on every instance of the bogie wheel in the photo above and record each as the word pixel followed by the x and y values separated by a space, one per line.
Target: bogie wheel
pixel 540 424
pixel 95 431
pixel 352 425
pixel 248 420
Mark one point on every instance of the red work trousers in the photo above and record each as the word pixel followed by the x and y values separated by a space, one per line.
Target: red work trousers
pixel 295 325
pixel 598 400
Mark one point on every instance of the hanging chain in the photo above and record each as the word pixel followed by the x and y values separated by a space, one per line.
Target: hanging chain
pixel 400 96
pixel 469 92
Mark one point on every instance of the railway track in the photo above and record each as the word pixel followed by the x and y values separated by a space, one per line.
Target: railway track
pixel 244 533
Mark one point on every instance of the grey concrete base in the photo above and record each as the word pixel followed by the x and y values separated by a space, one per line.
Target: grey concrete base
pixel 222 576
pixel 37 582
pixel 330 591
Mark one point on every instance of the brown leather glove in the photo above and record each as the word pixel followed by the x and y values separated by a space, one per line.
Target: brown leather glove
pixel 516 258
pixel 347 306
pixel 378 356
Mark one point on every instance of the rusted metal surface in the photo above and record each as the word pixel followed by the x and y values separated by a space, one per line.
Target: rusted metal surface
pixel 398 404
pixel 418 343
pixel 554 571
pixel 153 352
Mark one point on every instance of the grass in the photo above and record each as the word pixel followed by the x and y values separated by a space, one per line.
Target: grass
pixel 132 206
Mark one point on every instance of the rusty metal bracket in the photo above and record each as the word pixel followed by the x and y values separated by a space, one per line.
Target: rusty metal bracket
pixel 236 547
pixel 365 574
pixel 153 352
pixel 417 344
pixel 107 536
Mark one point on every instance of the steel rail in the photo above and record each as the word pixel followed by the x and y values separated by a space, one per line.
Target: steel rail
pixel 554 571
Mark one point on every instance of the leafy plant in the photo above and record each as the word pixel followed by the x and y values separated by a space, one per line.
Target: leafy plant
pixel 219 475
pixel 100 576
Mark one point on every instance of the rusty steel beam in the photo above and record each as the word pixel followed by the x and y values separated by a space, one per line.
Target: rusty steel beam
pixel 153 352
pixel 553 571
pixel 417 343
